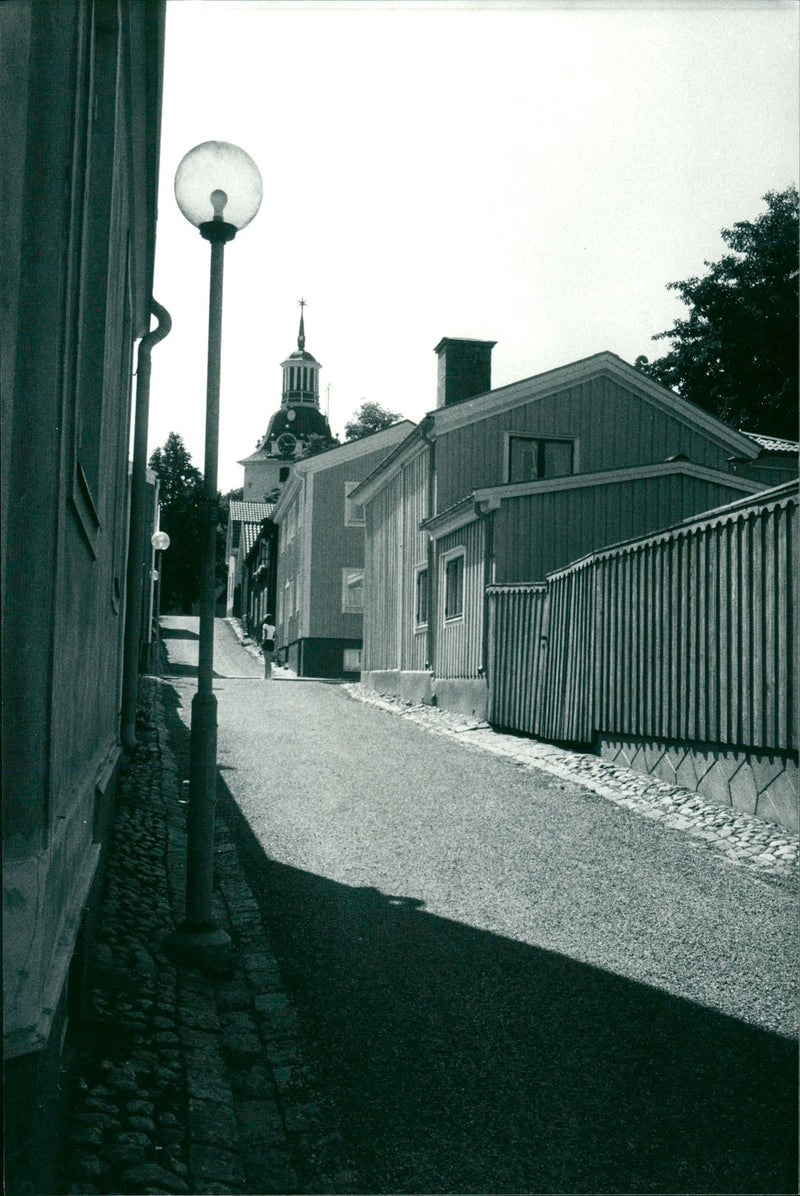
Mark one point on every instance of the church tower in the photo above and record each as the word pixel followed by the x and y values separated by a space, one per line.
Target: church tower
pixel 296 429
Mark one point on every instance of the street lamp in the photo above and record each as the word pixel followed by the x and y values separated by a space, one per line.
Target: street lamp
pixel 218 188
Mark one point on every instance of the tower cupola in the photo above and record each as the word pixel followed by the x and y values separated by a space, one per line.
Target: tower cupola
pixel 297 429
pixel 300 372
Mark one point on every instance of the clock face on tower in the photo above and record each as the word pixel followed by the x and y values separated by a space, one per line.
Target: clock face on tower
pixel 287 443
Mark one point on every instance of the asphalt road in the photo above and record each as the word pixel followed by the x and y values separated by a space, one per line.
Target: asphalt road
pixel 511 985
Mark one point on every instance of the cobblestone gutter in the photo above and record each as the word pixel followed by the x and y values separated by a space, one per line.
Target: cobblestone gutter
pixel 182 1082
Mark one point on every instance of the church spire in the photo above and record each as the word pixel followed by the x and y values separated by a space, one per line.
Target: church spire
pixel 301 336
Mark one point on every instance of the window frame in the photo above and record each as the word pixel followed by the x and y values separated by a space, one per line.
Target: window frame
pixel 541 440
pixel 448 559
pixel 421 586
pixel 348 573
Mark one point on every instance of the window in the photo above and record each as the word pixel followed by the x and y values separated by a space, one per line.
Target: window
pixel 421 598
pixel 531 458
pixel 351 661
pixel 284 473
pixel 454 587
pixel 352 590
pixel 353 511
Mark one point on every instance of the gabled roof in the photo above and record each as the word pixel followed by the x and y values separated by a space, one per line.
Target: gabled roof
pixel 516 394
pixel 773 444
pixel 340 454
pixel 527 390
pixel 389 466
pixel 250 512
pixel 249 536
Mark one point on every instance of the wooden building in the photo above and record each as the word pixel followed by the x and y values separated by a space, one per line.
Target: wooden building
pixel 81 106
pixel 244 521
pixel 504 486
pixel 320 565
pixel 260 577
pixel 670 653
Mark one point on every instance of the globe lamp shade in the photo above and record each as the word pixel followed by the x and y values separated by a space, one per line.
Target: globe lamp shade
pixel 160 541
pixel 218 182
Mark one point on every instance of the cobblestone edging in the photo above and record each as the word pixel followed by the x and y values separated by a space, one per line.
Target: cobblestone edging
pixel 742 838
pixel 183 1082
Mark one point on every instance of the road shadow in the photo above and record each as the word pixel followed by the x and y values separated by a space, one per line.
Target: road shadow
pixel 461 1061
pixel 178 633
pixel 171 669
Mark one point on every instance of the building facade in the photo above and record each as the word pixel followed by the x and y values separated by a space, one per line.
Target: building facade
pixel 244 521
pixel 507 485
pixel 320 563
pixel 81 104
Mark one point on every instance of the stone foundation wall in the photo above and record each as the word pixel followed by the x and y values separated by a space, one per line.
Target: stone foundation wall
pixel 462 695
pixel 416 687
pixel 756 782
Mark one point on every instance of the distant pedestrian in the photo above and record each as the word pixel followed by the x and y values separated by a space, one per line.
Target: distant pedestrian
pixel 267 645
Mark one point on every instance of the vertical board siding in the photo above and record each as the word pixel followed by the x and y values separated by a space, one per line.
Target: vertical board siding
pixel 536 534
pixel 415 545
pixel 517 623
pixel 687 635
pixel 382 569
pixel 471 456
pixel 460 643
pixel 566 703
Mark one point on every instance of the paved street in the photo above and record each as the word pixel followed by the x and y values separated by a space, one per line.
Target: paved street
pixel 510 983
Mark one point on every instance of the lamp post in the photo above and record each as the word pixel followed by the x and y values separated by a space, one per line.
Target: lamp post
pixel 218 189
pixel 160 543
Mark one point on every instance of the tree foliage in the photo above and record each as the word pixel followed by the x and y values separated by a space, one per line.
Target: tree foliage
pixel 180 495
pixel 316 443
pixel 736 353
pixel 370 417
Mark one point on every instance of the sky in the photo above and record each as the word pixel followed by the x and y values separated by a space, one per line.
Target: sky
pixel 523 172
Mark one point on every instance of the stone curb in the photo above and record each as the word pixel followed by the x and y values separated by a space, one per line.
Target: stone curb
pixel 743 839
pixel 184 1082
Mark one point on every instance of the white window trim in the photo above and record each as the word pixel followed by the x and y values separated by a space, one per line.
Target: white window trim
pixel 357 667
pixel 347 576
pixel 517 433
pixel 420 626
pixel 449 620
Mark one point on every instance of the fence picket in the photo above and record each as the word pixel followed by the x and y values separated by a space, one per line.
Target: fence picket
pixel 684 635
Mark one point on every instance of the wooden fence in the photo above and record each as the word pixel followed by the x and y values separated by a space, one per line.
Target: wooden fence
pixel 686 635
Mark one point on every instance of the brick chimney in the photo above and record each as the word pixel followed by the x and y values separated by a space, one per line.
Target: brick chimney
pixel 465 369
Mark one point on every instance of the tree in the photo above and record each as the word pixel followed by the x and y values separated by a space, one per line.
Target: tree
pixel 370 417
pixel 736 354
pixel 316 443
pixel 180 494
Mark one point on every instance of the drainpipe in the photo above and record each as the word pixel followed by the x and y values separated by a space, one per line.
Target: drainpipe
pixel 430 637
pixel 485 511
pixel 134 578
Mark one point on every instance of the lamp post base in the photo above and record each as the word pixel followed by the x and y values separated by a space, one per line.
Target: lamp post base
pixel 207 948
